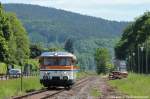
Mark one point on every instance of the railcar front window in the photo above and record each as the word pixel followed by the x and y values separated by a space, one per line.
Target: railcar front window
pixel 57 61
pixel 49 61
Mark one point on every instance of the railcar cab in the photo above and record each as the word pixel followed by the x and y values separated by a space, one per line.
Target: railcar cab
pixel 48 62
pixel 57 69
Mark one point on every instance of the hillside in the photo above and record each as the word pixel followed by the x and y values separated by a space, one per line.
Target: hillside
pixel 51 27
pixel 48 24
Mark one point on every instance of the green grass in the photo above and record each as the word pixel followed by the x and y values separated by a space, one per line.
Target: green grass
pixel 12 87
pixel 81 74
pixel 84 74
pixel 134 85
pixel 95 92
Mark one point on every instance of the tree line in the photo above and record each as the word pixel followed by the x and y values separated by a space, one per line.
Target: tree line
pixel 17 49
pixel 48 25
pixel 103 61
pixel 134 45
pixel 14 42
pixel 50 31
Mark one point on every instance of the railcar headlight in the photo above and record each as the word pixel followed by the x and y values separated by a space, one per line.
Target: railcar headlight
pixel 65 72
pixel 46 73
pixel 65 78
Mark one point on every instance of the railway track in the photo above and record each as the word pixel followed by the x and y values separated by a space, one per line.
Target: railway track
pixel 30 94
pixel 46 94
pixel 82 82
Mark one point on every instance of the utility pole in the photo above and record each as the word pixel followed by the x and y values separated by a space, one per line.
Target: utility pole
pixel 21 75
pixel 129 62
pixel 138 59
pixel 146 54
pixel 142 49
pixel 133 61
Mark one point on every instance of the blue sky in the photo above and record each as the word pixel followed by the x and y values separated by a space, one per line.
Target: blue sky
pixel 120 10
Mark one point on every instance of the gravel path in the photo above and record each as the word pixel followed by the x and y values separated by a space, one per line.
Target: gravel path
pixel 107 91
pixel 77 92
pixel 83 90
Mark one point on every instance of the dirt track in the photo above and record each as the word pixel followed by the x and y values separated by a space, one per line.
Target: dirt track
pixel 83 90
pixel 107 91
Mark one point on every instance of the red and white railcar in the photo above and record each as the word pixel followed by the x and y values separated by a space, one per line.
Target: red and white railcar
pixel 57 69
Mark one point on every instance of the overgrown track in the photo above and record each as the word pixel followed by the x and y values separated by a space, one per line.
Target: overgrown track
pixel 50 93
pixel 30 94
pixel 53 94
pixel 75 86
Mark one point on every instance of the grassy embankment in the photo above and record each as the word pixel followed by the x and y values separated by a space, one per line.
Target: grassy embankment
pixel 134 85
pixel 12 87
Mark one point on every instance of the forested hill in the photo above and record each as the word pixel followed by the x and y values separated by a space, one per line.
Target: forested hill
pixel 48 24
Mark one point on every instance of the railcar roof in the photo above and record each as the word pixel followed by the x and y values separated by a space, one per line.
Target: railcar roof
pixel 57 54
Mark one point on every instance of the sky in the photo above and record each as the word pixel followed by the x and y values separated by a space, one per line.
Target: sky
pixel 119 10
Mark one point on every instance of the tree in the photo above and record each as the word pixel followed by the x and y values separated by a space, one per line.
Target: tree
pixel 36 50
pixel 14 43
pixel 136 33
pixel 5 34
pixel 53 49
pixel 69 45
pixel 102 59
pixel 134 36
pixel 20 38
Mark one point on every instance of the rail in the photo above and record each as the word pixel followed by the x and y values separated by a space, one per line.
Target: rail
pixel 54 92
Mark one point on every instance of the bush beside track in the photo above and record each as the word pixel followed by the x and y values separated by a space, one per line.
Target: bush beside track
pixel 135 85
